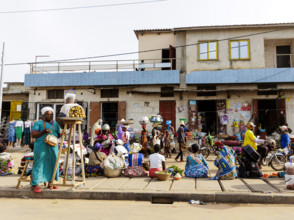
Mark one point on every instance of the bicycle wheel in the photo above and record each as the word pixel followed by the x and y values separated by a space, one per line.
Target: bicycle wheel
pixel 278 162
pixel 205 152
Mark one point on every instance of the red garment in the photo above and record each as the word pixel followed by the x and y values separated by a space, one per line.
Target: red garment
pixel 153 170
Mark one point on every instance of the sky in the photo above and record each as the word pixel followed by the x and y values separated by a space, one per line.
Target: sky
pixel 97 31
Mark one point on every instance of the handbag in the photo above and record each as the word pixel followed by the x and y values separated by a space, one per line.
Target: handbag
pixel 50 139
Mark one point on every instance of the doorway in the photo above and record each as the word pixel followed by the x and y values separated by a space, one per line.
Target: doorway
pixel 268 117
pixel 283 56
pixel 167 109
pixel 165 58
pixel 5 110
pixel 110 113
pixel 208 112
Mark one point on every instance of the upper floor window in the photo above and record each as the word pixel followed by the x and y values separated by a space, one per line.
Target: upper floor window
pixel 239 50
pixel 55 94
pixel 208 50
pixel 109 93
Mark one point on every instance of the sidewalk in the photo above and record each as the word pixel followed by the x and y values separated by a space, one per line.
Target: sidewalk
pixel 146 189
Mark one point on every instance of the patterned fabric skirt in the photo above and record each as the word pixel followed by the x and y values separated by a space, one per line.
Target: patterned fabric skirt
pixel 11 134
pixel 135 171
pixel 93 170
pixel 196 171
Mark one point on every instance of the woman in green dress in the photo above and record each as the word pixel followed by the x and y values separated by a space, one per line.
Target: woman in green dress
pixel 45 156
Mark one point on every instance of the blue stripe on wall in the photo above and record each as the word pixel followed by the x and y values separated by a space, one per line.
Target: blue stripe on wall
pixel 269 75
pixel 103 78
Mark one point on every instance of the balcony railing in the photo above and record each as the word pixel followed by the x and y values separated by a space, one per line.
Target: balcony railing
pixel 283 60
pixel 103 65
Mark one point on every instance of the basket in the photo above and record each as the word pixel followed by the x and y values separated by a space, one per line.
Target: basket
pixel 112 172
pixel 162 176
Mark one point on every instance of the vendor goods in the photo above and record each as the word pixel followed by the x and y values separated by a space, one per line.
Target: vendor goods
pixel 76 112
pixel 112 172
pixel 175 169
pixel 69 98
pixel 156 119
pixel 144 120
pixel 113 162
pixel 289 168
pixel 162 175
pixel 177 176
pixel 289 179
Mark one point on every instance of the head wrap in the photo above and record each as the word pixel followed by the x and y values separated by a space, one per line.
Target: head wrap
pixel 45 109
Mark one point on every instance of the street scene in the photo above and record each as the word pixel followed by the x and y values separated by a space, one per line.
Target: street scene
pixel 154 109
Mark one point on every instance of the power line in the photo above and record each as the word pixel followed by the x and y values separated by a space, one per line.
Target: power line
pixel 80 7
pixel 146 51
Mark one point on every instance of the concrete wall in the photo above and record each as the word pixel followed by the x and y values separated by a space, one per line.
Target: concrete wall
pixel 15 91
pixel 150 41
pixel 262 47
pixel 138 104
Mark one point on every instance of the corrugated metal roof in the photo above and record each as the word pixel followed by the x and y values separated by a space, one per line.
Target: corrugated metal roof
pixel 207 27
pixel 103 78
pixel 242 76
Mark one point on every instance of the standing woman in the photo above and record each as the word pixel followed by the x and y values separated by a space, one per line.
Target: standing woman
pixel 45 156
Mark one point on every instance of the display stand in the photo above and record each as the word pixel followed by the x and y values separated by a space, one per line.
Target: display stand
pixel 71 123
pixel 22 177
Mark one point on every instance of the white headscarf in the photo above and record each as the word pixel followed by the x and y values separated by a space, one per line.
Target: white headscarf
pixel 45 109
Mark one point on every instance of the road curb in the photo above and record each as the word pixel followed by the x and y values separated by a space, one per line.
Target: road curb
pixel 222 197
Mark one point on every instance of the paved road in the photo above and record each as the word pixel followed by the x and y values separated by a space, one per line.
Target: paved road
pixel 32 209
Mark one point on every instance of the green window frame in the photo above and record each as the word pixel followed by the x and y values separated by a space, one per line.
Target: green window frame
pixel 207 50
pixel 239 50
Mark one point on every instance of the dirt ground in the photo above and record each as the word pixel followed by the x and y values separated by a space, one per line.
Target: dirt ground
pixel 99 210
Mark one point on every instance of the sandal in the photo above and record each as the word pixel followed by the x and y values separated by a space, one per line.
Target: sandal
pixel 54 187
pixel 36 189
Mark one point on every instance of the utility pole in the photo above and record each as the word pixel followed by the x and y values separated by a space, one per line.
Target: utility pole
pixel 1 81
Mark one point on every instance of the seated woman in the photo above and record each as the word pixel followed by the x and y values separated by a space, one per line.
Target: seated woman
pixel 157 161
pixel 196 165
pixel 136 159
pixel 96 157
pixel 226 163
pixel 105 139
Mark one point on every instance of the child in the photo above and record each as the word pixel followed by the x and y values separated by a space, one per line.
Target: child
pixel 6 162
pixel 156 161
pixel 285 140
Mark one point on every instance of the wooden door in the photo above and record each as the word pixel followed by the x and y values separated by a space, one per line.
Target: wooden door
pixel 95 113
pixel 167 109
pixel 122 110
pixel 15 110
pixel 281 106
